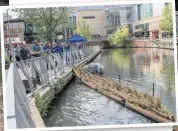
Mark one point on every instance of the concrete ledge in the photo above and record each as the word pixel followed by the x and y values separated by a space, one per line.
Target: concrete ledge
pixel 35 115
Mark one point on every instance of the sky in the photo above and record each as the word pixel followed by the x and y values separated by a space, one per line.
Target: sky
pixel 13 14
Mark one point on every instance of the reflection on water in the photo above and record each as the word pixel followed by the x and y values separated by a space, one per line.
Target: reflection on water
pixel 141 68
pixel 78 105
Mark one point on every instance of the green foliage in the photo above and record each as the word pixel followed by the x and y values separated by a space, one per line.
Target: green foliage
pixel 83 29
pixel 166 23
pixel 42 108
pixel 119 37
pixel 39 102
pixel 48 21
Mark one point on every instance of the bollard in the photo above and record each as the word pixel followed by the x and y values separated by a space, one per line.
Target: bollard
pixel 119 78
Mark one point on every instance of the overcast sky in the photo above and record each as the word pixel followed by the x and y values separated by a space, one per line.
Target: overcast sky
pixel 13 14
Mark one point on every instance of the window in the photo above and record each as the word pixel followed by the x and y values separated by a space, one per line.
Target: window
pixel 139 26
pixel 147 26
pixel 89 17
pixel 139 12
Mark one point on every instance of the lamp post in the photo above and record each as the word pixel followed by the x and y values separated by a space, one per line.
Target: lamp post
pixel 8 27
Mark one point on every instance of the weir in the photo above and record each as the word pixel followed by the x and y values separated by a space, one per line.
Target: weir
pixel 33 84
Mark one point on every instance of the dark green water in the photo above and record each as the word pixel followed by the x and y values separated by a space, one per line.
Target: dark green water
pixel 78 105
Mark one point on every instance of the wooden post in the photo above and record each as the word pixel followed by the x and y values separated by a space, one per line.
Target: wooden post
pixel 119 78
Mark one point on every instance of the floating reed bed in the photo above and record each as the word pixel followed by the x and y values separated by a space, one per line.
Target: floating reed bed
pixel 142 103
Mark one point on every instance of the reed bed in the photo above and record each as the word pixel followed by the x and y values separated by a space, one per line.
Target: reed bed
pixel 110 88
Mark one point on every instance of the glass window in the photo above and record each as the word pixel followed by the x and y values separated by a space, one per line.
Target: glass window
pixel 147 26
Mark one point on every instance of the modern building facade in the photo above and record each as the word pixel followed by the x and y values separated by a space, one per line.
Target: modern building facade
pixel 96 18
pixel 18 28
pixel 106 19
pixel 146 19
pixel 117 16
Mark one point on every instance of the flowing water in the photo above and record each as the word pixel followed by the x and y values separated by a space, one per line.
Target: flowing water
pixel 79 105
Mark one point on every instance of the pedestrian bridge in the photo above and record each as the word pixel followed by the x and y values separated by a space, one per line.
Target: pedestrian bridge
pixel 44 76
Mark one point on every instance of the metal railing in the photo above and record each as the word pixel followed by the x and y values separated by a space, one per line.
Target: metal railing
pixel 18 111
pixel 163 42
pixel 30 75
pixel 100 38
pixel 41 71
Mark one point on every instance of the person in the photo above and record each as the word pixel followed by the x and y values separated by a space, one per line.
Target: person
pixel 58 49
pixel 24 53
pixel 56 42
pixel 47 48
pixel 36 52
pixel 36 49
pixel 41 47
pixel 9 52
pixel 17 53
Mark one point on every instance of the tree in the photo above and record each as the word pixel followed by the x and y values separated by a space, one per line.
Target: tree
pixel 119 37
pixel 166 23
pixel 48 21
pixel 83 29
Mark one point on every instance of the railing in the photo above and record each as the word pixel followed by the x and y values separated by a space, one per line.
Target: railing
pixel 163 42
pixel 28 76
pixel 100 38
pixel 18 112
pixel 41 71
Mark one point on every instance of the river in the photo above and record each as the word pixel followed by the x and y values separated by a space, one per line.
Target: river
pixel 78 105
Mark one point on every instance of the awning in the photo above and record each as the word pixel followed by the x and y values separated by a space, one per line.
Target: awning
pixel 76 39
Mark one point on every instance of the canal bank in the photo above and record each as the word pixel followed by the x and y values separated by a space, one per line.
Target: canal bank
pixel 159 44
pixel 39 103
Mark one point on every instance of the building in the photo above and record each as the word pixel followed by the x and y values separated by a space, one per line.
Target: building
pixel 146 19
pixel 18 28
pixel 148 27
pixel 117 16
pixel 107 18
pixel 96 18
pixel 13 29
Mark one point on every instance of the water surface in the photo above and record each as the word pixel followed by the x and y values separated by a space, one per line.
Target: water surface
pixel 78 105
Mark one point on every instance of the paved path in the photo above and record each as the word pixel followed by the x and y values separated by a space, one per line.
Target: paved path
pixel 36 117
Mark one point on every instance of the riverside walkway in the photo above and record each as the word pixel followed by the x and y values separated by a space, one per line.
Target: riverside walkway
pixel 33 84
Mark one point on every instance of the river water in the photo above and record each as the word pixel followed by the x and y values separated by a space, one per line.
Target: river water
pixel 78 105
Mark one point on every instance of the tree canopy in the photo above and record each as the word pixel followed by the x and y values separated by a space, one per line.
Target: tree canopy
pixel 166 23
pixel 83 29
pixel 48 21
pixel 119 37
